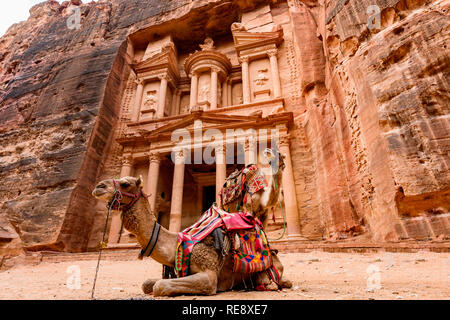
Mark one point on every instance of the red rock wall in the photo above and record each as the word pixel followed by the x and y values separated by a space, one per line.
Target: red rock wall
pixel 377 115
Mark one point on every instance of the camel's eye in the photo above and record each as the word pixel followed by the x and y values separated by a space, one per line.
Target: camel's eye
pixel 101 186
pixel 124 184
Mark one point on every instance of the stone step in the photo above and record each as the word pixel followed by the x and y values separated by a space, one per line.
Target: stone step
pixel 125 252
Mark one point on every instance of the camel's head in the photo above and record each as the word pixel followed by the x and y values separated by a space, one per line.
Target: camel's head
pixel 275 159
pixel 106 189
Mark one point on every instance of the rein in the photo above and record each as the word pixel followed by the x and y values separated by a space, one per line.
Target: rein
pixel 116 204
pixel 278 191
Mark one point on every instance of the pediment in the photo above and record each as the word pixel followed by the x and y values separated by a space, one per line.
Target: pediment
pixel 166 59
pixel 208 121
pixel 246 39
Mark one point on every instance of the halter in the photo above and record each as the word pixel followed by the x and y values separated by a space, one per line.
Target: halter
pixel 116 204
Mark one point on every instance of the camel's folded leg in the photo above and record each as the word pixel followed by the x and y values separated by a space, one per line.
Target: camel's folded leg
pixel 204 283
pixel 263 277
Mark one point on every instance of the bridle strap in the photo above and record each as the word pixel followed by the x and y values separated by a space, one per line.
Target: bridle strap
pixel 116 203
pixel 152 242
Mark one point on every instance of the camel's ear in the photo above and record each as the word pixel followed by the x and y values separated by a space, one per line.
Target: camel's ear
pixel 139 181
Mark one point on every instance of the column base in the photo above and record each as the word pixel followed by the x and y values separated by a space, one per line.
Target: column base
pixel 296 237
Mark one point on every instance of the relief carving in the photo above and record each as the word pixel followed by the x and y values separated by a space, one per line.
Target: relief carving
pixel 150 102
pixel 203 94
pixel 261 79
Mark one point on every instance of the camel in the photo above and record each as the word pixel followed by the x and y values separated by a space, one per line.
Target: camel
pixel 209 273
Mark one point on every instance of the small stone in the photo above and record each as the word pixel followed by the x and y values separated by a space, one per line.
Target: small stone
pixel 295 288
pixel 399 297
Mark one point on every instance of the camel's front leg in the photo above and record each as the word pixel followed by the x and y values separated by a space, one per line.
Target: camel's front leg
pixel 202 283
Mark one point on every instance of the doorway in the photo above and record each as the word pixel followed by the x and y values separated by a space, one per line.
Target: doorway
pixel 208 197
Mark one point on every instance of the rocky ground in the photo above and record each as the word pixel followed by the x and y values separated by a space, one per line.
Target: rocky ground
pixel 316 275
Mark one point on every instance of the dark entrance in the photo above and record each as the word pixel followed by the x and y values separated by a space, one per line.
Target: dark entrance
pixel 209 197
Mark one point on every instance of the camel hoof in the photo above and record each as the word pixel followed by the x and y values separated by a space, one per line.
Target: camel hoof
pixel 147 286
pixel 285 283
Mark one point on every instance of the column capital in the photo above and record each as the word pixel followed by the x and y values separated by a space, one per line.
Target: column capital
pixel 180 156
pixel 250 143
pixel 243 59
pixel 193 73
pixel 139 81
pixel 127 159
pixel 154 156
pixel 163 76
pixel 220 148
pixel 272 53
pixel 215 69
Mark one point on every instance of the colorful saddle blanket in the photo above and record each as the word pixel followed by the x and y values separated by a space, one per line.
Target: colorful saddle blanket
pixel 251 248
pixel 248 178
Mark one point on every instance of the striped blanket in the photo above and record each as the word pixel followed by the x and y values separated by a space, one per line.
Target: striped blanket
pixel 251 248
pixel 189 237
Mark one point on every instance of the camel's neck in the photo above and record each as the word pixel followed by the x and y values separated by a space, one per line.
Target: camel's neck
pixel 273 190
pixel 140 221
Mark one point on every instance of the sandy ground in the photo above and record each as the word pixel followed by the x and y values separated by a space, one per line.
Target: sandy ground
pixel 315 275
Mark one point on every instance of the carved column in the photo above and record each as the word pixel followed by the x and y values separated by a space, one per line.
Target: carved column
pixel 194 89
pixel 230 93
pixel 224 94
pixel 152 179
pixel 116 223
pixel 127 165
pixel 273 57
pixel 221 169
pixel 136 108
pixel 177 192
pixel 214 73
pixel 178 104
pixel 245 79
pixel 173 108
pixel 250 151
pixel 162 97
pixel 290 198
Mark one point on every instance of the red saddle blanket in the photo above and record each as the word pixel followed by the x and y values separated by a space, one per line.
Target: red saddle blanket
pixel 251 251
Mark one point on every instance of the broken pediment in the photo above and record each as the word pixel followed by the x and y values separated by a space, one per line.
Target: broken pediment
pixel 208 121
pixel 166 59
pixel 245 40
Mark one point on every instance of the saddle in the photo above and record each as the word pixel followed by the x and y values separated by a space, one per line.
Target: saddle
pixel 249 179
pixel 249 244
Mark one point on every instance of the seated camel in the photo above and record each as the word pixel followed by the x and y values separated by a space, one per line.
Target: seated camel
pixel 209 272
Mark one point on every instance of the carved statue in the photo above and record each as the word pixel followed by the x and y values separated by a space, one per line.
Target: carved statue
pixel 203 94
pixel 208 44
pixel 150 102
pixel 262 78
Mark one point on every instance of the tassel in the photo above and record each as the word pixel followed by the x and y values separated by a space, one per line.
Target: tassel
pixel 258 245
pixel 237 242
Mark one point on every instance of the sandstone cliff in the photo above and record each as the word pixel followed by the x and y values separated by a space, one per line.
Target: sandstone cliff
pixel 371 115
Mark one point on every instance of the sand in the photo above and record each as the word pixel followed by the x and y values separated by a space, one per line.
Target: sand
pixel 315 275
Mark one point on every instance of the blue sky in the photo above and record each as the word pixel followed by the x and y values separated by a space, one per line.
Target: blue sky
pixel 12 11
